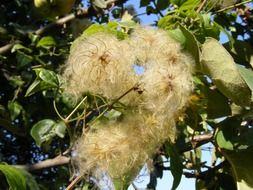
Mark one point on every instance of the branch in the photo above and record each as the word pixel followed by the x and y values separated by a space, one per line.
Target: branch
pixel 201 6
pixel 203 137
pixel 158 10
pixel 197 141
pixel 61 21
pixel 57 161
pixel 7 47
pixel 203 175
pixel 233 6
pixel 74 182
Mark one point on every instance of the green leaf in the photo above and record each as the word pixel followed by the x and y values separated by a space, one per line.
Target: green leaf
pixel 168 22
pixel 16 81
pixel 242 166
pixel 217 104
pixel 178 2
pixel 46 42
pixel 231 135
pixel 100 3
pixel 191 44
pixel 247 75
pixel 127 24
pixel 15 109
pixel 85 187
pixel 242 52
pixel 23 59
pixel 15 178
pixel 30 181
pixel 162 4
pixel 111 28
pixel 189 5
pixel 188 41
pixel 45 80
pixel 223 142
pixel 60 129
pixel 20 47
pixel 48 77
pixel 120 184
pixel 219 65
pixel 41 131
pixel 175 164
pixel 144 3
pixel 34 87
pixel 45 130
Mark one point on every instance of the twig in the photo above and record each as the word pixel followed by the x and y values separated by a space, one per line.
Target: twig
pixel 74 182
pixel 57 161
pixel 44 29
pixel 120 97
pixel 74 110
pixel 7 47
pixel 203 175
pixel 159 12
pixel 134 186
pixel 203 137
pixel 106 107
pixel 197 141
pixel 61 21
pixel 201 6
pixel 233 6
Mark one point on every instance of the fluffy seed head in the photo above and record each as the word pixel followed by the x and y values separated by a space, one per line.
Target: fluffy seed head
pixel 101 64
pixel 97 64
pixel 121 148
pixel 155 44
pixel 166 88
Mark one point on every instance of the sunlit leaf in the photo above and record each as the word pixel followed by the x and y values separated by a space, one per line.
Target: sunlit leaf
pixel 111 28
pixel 33 87
pixel 127 24
pixel 219 65
pixel 223 142
pixel 46 129
pixel 189 5
pixel 60 129
pixel 45 80
pixel 20 47
pixel 167 22
pixel 46 42
pixel 188 42
pixel 41 131
pixel 15 179
pixel 48 77
pixel 178 2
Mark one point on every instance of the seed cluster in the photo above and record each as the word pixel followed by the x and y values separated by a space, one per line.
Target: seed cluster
pixel 102 64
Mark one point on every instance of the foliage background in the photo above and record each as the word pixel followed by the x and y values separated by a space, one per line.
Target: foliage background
pixel 34 45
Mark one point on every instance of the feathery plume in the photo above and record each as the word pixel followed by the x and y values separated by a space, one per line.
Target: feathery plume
pixel 101 64
pixel 96 64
